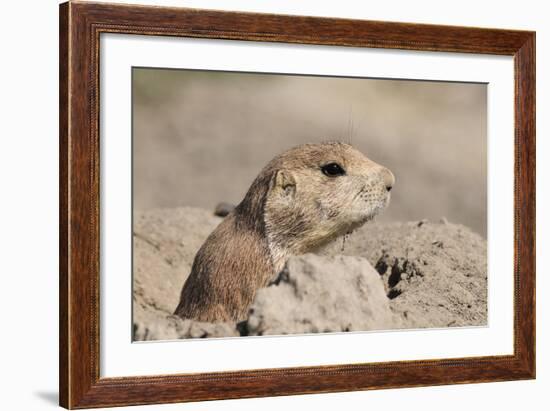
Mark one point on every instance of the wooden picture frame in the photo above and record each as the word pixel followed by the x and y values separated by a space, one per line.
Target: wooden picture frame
pixel 80 27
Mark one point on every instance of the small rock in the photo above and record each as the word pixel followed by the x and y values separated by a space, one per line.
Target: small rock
pixel 422 222
pixel 223 209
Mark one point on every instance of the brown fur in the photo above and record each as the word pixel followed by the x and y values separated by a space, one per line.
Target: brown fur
pixel 290 208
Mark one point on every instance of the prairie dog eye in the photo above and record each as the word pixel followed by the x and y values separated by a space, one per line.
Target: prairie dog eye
pixel 333 170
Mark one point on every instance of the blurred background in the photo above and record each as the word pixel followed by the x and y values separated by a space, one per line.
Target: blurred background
pixel 201 137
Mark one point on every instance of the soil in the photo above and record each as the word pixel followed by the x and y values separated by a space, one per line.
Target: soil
pixel 383 276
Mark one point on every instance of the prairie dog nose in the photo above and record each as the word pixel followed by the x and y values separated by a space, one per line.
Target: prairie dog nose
pixel 387 178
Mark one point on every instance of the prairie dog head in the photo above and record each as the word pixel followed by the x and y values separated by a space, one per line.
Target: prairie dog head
pixel 318 192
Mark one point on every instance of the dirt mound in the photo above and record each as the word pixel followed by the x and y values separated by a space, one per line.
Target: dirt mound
pixel 425 275
pixel 435 274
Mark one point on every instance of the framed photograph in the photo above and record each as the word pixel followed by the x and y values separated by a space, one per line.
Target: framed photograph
pixel 259 205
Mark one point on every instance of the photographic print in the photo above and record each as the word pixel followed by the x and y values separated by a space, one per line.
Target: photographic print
pixel 274 204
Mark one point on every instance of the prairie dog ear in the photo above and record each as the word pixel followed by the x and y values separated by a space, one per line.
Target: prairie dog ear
pixel 284 183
